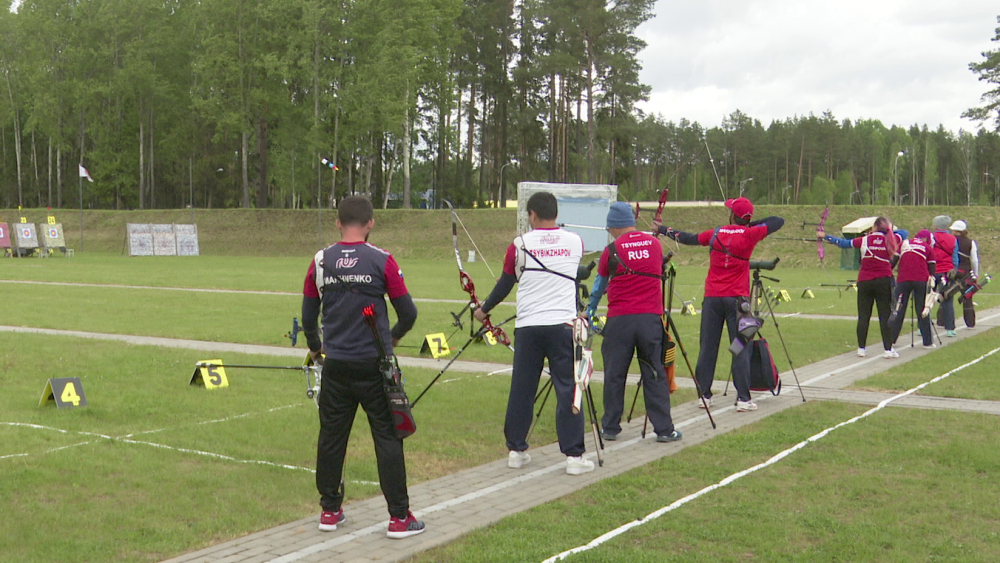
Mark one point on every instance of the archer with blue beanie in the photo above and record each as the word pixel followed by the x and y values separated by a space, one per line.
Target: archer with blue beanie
pixel 630 270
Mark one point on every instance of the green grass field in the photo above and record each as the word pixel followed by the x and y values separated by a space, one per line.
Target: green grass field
pixel 154 467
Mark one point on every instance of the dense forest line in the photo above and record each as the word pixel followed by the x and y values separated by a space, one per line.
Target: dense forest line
pixel 294 103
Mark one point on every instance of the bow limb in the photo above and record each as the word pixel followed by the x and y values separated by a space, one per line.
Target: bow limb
pixel 465 280
pixel 658 217
pixel 821 228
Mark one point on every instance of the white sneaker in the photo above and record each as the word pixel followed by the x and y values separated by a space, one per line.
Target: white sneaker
pixel 890 354
pixel 516 460
pixel 930 346
pixel 862 352
pixel 708 403
pixel 578 466
pixel 744 406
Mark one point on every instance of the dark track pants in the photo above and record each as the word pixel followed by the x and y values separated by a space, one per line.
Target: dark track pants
pixel 714 312
pixel 918 289
pixel 946 310
pixel 876 292
pixel 532 345
pixel 346 385
pixel 642 334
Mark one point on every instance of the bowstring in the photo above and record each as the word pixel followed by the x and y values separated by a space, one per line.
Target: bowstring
pixel 474 245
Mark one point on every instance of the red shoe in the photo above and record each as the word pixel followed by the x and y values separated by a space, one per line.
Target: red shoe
pixel 404 528
pixel 328 520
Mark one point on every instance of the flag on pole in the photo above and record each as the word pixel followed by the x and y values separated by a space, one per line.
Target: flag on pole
pixel 85 174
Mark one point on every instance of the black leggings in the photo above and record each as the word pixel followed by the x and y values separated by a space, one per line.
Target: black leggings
pixel 879 292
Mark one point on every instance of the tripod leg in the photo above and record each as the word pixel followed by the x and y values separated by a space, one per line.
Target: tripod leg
pixel 546 389
pixel 701 396
pixel 770 309
pixel 595 426
pixel 636 397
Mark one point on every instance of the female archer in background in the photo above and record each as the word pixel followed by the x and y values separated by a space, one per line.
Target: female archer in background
pixel 967 266
pixel 916 274
pixel 879 248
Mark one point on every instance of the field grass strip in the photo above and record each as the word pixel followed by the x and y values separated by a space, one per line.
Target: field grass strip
pixel 206 290
pixel 218 420
pixel 774 459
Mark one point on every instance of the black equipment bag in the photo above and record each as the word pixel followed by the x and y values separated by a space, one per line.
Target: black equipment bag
pixel 399 404
pixel 763 372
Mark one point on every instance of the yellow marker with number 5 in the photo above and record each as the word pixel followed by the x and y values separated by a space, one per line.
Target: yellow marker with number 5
pixel 211 374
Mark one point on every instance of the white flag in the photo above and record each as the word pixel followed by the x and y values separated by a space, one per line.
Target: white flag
pixel 85 174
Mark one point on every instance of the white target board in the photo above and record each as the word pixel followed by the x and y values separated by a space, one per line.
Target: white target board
pixel 164 240
pixel 25 235
pixel 52 236
pixel 140 239
pixel 187 240
pixel 585 205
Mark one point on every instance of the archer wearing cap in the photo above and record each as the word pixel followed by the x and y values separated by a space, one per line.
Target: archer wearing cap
pixel 967 266
pixel 726 286
pixel 630 269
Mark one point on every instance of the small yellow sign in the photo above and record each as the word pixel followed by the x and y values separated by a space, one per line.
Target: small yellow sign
pixel 24 219
pixel 784 296
pixel 52 219
pixel 490 339
pixel 436 345
pixel 65 392
pixel 209 373
pixel 808 294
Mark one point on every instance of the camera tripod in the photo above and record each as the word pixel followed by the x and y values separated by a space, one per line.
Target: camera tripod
pixel 759 295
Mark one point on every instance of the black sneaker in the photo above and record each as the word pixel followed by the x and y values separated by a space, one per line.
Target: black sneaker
pixel 608 436
pixel 400 528
pixel 672 437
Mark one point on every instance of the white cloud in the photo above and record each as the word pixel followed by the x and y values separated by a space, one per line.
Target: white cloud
pixel 903 63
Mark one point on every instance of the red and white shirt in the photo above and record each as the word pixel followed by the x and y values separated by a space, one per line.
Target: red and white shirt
pixel 875 256
pixel 543 298
pixel 914 255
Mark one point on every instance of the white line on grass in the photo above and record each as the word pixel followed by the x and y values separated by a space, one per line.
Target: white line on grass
pixel 128 440
pixel 245 415
pixel 735 476
pixel 47 451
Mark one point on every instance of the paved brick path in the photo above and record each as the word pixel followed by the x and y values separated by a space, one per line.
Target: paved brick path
pixel 456 504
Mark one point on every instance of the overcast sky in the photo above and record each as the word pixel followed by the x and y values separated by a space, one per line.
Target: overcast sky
pixel 902 63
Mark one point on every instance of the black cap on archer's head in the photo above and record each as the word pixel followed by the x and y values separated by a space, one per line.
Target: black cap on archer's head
pixel 741 207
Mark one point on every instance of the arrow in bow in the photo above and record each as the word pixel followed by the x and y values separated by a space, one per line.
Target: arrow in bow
pixel 468 286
